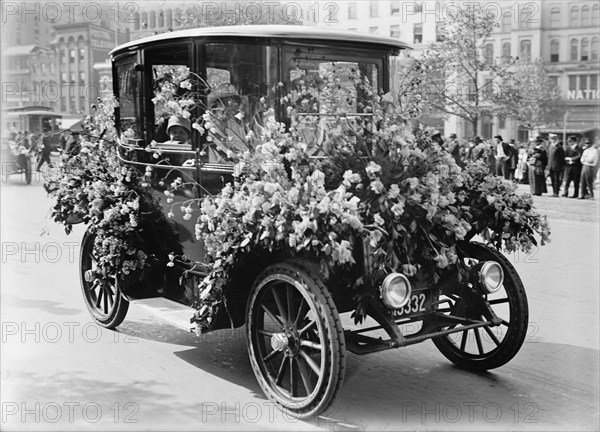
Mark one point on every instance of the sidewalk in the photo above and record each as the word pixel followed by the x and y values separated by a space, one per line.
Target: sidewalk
pixel 570 209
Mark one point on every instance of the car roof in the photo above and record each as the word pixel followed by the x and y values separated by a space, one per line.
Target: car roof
pixel 269 31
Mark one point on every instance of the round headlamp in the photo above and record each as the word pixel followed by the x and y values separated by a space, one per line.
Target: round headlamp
pixel 395 290
pixel 491 276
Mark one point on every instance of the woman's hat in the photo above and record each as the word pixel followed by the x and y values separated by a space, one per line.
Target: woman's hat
pixel 180 121
pixel 221 93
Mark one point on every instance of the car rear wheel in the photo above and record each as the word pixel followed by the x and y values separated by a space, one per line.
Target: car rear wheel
pixel 102 295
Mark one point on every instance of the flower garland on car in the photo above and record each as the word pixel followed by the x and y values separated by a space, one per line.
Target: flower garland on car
pixel 114 200
pixel 397 192
pixel 407 199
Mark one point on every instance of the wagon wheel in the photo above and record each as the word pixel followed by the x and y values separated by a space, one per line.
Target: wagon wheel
pixel 27 170
pixel 491 346
pixel 295 339
pixel 103 299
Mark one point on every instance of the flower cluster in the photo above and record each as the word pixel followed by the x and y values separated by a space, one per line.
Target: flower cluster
pixel 93 188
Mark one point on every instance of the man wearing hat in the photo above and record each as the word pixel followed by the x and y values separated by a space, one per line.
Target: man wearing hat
pixel 556 163
pixel 572 169
pixel 502 153
pixel 454 149
pixel 589 159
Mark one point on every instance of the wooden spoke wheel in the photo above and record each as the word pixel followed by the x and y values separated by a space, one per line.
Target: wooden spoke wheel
pixel 490 346
pixel 295 339
pixel 102 297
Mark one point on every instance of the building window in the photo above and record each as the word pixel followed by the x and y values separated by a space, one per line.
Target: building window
pixel 161 19
pixel 373 30
pixel 574 16
pixel 585 49
pixel 72 78
pixel 506 21
pixel 574 49
pixel 352 10
pixel 594 50
pixel 395 31
pixel 501 122
pixel 72 56
pixel 585 16
pixel 418 7
pixel 52 69
pixel 395 7
pixel 63 56
pixel 374 9
pixel 417 33
pixel 81 55
pixel 488 89
pixel 554 49
pixel 81 78
pixel 34 68
pixel 572 82
pixel 72 106
pixel 525 51
pixel 82 103
pixel 555 18
pixel 489 53
pixel 506 51
pixel 63 77
pixel 553 80
pixel 596 15
pixel 44 68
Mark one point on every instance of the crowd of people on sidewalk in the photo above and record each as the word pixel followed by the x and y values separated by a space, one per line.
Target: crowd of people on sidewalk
pixel 535 162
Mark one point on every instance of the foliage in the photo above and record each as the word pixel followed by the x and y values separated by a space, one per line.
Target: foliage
pixel 94 188
pixel 530 98
pixel 396 193
pixel 456 75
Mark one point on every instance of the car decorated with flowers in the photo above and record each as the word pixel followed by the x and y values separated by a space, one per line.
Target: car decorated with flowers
pixel 270 177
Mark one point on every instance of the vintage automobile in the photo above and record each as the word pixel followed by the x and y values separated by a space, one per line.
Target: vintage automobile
pixel 296 324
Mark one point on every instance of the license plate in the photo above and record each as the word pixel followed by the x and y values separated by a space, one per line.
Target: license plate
pixel 420 302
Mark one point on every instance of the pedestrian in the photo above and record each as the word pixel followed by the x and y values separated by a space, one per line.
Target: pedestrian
pixel 513 159
pixel 74 144
pixel 454 150
pixel 572 168
pixel 556 163
pixel 45 151
pixel 589 159
pixel 537 161
pixel 501 152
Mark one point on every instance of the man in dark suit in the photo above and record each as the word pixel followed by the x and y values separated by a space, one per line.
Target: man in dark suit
pixel 572 168
pixel 556 163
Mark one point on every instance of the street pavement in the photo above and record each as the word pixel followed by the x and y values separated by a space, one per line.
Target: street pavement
pixel 60 371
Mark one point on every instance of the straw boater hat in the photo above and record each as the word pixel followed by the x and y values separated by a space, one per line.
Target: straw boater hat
pixel 180 121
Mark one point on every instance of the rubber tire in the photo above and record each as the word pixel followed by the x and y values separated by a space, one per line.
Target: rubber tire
pixel 120 306
pixel 519 317
pixel 335 364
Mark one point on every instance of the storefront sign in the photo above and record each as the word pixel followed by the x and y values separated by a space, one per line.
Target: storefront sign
pixel 583 94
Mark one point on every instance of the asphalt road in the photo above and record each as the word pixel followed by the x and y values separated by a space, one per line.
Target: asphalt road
pixel 62 372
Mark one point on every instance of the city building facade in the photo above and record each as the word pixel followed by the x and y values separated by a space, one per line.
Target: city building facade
pixel 562 34
pixel 50 51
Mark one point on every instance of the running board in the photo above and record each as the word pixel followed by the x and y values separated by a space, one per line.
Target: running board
pixel 174 313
